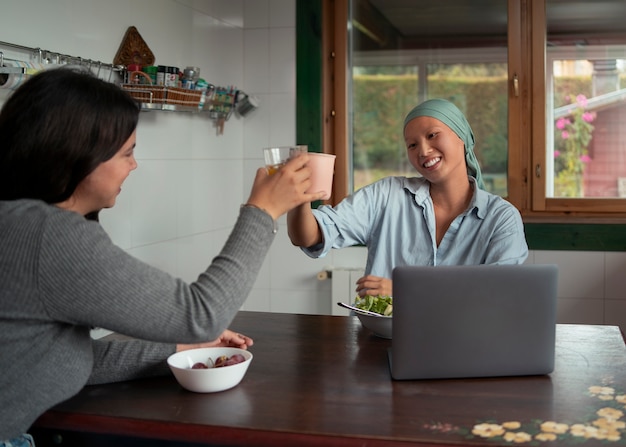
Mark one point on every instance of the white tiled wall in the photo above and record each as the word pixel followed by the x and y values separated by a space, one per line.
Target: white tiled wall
pixel 177 208
pixel 592 285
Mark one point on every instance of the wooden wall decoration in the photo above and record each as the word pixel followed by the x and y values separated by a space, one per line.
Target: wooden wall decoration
pixel 133 50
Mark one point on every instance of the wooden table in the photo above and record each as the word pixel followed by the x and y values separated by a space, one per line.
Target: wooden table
pixel 325 380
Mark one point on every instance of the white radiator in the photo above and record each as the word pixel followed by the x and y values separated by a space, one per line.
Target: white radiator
pixel 343 286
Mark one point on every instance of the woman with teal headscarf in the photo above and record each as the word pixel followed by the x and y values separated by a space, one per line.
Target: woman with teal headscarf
pixel 442 217
pixel 451 116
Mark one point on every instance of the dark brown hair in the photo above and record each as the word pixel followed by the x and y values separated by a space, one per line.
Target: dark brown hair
pixel 56 129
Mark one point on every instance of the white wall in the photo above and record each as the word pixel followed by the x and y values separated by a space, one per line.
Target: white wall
pixel 178 207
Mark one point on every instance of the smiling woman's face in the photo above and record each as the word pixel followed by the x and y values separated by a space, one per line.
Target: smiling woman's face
pixel 434 150
pixel 100 188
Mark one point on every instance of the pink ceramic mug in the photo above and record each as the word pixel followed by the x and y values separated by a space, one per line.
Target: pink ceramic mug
pixel 323 167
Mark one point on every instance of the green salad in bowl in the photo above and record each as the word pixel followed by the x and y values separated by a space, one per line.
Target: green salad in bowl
pixel 381 325
pixel 381 304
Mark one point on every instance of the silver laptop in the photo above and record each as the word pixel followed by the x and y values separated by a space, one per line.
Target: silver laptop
pixel 473 321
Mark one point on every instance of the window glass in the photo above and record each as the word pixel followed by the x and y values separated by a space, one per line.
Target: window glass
pixel 587 138
pixel 586 99
pixel 382 95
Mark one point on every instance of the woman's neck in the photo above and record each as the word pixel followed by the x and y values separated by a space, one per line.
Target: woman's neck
pixel 453 197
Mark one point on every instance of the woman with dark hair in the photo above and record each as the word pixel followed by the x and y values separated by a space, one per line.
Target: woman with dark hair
pixel 66 148
pixel 58 130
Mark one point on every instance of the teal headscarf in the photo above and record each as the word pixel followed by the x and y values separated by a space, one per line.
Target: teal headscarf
pixel 451 116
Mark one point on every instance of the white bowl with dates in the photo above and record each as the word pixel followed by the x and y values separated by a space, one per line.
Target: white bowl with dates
pixel 209 370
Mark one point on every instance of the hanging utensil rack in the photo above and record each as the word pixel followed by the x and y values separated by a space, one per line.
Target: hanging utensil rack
pixel 220 103
pixel 53 57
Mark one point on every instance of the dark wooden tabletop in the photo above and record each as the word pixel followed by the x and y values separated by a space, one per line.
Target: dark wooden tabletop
pixel 325 380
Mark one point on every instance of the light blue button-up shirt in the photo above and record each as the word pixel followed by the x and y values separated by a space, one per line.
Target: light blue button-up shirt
pixel 394 217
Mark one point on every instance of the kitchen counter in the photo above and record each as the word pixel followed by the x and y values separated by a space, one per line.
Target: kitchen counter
pixel 325 380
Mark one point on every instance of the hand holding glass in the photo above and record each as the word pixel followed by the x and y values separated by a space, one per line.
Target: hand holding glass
pixel 277 156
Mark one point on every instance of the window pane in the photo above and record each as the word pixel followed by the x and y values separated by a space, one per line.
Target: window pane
pixel 586 105
pixel 467 85
pixel 392 75
pixel 588 154
pixel 382 95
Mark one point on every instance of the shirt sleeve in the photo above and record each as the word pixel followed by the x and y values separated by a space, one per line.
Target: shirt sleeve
pixel 351 221
pixel 507 244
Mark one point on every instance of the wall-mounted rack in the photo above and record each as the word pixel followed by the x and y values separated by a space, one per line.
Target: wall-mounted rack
pixel 41 56
pixel 219 102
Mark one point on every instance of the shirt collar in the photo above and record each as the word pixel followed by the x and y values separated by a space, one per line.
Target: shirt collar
pixel 418 186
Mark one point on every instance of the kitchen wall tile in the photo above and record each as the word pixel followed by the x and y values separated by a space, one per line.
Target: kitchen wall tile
pixel 258 300
pixel 154 201
pixel 228 144
pixel 14 30
pixel 92 30
pixel 581 274
pixel 615 313
pixel 615 275
pixel 580 311
pixel 290 268
pixel 301 300
pixel 263 279
pixel 95 34
pixel 219 238
pixel 206 144
pixel 156 141
pixel 229 11
pixel 283 119
pixel 256 61
pixel 161 255
pixel 191 190
pixel 117 220
pixel 156 23
pixel 249 172
pixel 256 14
pixel 194 254
pixel 256 131
pixel 225 192
pixel 224 55
pixel 282 13
pixel 194 207
pixel 205 49
pixel 282 60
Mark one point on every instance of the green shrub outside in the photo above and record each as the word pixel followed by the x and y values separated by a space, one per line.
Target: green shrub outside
pixel 382 102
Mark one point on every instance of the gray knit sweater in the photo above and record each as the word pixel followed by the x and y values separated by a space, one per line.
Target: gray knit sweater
pixel 60 275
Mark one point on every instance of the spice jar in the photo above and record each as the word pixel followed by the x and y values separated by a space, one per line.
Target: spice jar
pixel 151 71
pixel 171 76
pixel 190 77
pixel 160 75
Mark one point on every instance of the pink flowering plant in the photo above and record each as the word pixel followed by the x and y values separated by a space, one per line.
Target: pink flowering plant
pixel 570 152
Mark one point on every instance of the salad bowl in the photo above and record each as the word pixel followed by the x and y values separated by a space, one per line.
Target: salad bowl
pixel 375 314
pixel 381 326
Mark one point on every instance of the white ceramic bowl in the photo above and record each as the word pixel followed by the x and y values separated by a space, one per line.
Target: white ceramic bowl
pixel 380 326
pixel 212 379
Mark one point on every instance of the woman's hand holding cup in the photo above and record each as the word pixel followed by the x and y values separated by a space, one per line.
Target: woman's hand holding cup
pixel 285 188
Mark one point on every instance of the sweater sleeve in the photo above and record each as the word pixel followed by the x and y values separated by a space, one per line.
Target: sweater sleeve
pixel 86 280
pixel 119 360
